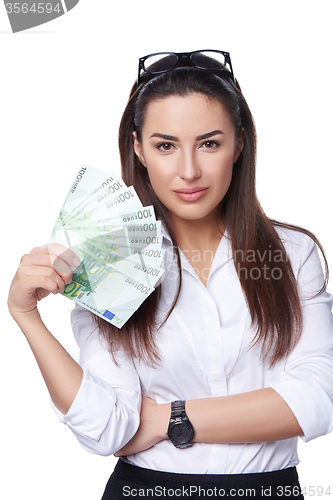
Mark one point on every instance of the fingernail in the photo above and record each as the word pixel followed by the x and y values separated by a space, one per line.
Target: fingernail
pixel 76 262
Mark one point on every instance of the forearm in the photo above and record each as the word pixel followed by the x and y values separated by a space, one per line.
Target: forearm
pixel 61 373
pixel 255 416
pixel 249 417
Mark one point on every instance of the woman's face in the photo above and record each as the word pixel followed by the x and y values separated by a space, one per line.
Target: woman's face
pixel 188 147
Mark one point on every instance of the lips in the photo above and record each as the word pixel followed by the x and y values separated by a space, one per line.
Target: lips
pixel 191 194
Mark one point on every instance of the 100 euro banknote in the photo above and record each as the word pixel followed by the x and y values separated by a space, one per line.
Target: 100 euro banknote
pixel 118 270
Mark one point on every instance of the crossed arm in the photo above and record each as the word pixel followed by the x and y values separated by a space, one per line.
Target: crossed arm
pixel 255 416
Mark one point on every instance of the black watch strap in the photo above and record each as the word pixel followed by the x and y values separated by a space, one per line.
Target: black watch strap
pixel 178 409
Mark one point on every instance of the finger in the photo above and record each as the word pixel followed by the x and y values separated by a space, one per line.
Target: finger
pixel 41 277
pixel 47 260
pixel 66 254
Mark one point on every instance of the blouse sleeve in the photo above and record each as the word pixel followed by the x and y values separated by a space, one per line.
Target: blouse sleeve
pixel 105 414
pixel 306 383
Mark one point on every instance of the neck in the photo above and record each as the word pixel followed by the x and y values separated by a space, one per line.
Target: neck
pixel 198 240
pixel 198 234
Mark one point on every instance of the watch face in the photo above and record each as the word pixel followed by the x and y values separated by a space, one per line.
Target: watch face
pixel 181 432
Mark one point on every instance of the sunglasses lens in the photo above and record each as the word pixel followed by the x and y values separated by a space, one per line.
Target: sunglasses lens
pixel 159 63
pixel 208 59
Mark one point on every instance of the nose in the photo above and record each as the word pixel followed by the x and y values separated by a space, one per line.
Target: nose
pixel 189 166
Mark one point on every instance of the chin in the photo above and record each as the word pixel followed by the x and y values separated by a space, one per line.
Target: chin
pixel 191 216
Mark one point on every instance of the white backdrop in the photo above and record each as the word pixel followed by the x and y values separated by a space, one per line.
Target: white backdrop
pixel 63 88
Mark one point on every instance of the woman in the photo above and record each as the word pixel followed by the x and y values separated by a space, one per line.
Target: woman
pixel 205 390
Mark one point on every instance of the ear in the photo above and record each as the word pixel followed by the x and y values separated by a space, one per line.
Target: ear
pixel 138 149
pixel 239 145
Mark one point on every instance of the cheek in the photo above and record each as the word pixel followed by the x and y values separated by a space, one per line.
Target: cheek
pixel 158 178
pixel 160 170
pixel 223 169
pixel 222 179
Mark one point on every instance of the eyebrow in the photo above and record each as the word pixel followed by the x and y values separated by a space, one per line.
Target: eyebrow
pixel 167 137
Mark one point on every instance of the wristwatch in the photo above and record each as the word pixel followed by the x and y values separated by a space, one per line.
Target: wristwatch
pixel 180 430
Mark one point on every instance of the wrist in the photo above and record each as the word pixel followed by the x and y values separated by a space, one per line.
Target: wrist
pixel 163 418
pixel 25 318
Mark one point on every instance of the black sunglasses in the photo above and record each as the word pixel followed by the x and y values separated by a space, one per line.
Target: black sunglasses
pixel 162 62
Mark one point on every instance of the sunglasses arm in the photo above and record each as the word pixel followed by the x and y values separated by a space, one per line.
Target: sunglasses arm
pixel 232 72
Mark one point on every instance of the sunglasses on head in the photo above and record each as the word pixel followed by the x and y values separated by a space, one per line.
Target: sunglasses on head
pixel 162 62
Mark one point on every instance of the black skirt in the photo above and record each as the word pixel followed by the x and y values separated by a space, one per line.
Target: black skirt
pixel 129 481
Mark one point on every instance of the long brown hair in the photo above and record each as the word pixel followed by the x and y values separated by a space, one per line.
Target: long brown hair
pixel 274 304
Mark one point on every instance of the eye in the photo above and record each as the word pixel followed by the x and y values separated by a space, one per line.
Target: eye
pixel 210 144
pixel 164 146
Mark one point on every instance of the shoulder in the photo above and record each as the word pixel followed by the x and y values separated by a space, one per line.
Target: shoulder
pixel 84 328
pixel 295 242
pixel 301 250
pixel 81 319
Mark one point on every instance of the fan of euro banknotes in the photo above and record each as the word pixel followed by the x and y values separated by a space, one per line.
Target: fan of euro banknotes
pixel 118 241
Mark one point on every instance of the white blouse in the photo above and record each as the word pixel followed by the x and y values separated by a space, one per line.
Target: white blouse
pixel 205 353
